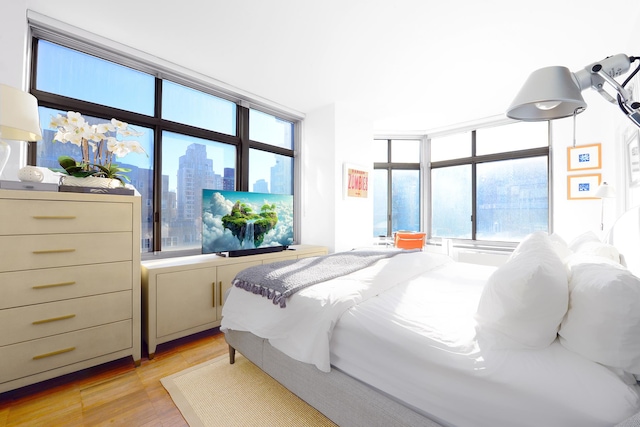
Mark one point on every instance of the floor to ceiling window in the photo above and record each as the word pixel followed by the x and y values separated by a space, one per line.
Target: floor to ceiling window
pixel 490 184
pixel 396 186
pixel 193 137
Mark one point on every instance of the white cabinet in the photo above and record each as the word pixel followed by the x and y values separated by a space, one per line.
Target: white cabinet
pixel 182 296
pixel 69 283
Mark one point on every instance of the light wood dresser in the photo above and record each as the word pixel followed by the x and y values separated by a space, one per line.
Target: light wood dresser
pixel 182 296
pixel 69 283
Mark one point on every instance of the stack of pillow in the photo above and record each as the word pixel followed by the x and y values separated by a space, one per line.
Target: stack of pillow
pixel 579 292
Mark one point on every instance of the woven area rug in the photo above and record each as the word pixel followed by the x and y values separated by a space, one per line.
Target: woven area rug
pixel 216 393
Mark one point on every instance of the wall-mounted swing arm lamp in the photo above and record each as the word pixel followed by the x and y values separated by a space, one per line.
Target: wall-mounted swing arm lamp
pixel 555 92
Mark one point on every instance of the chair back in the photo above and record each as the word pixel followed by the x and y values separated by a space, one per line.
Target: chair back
pixel 409 240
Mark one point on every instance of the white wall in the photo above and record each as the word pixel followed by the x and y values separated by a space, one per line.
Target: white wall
pixel 604 123
pixel 13 40
pixel 594 125
pixel 333 135
pixel 318 178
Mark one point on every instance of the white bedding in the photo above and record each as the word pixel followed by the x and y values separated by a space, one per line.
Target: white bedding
pixel 416 317
pixel 303 329
pixel 423 336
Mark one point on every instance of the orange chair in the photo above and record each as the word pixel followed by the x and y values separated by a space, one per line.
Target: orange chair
pixel 409 240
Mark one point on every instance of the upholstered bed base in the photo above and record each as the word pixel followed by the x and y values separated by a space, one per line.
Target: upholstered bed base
pixel 341 398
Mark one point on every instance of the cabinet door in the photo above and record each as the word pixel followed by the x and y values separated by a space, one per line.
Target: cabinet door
pixel 226 274
pixel 186 299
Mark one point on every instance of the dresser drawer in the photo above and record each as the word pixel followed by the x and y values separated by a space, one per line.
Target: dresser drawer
pixel 32 357
pixel 19 288
pixel 43 320
pixel 51 217
pixel 60 250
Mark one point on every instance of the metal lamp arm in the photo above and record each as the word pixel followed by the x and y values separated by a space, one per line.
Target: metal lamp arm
pixel 600 73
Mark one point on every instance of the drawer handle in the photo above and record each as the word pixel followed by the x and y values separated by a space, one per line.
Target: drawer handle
pixel 54 353
pixel 53 285
pixel 54 217
pixel 220 293
pixel 53 251
pixel 213 291
pixel 53 319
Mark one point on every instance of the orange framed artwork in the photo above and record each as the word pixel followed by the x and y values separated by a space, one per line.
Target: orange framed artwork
pixel 584 157
pixel 581 187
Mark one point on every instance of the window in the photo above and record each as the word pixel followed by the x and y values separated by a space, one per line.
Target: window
pixel 194 138
pixel 396 198
pixel 491 184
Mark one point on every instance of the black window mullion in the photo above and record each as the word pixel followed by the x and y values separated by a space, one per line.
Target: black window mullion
pixel 389 191
pixel 244 145
pixel 474 187
pixel 157 171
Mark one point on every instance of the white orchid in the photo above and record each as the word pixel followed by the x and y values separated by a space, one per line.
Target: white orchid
pixel 74 129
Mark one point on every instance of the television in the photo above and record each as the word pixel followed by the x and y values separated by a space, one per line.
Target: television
pixel 246 223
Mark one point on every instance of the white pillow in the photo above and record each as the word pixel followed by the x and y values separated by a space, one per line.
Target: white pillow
pixel 586 237
pixel 603 320
pixel 560 246
pixel 525 299
pixel 600 249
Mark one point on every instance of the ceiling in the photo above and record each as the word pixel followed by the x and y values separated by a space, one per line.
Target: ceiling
pixel 407 64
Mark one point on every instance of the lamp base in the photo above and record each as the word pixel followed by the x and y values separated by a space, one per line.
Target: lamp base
pixel 5 150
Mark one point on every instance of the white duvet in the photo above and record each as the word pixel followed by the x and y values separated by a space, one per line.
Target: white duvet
pixel 414 312
pixel 303 329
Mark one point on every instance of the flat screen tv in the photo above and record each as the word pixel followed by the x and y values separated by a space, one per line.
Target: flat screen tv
pixel 245 223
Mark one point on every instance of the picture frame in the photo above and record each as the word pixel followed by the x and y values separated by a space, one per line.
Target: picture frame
pixel 584 157
pixel 583 187
pixel 633 159
pixel 355 181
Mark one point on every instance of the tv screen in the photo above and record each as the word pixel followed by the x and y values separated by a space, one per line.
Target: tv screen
pixel 242 223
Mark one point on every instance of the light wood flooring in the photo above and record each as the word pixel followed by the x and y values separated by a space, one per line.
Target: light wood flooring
pixel 116 393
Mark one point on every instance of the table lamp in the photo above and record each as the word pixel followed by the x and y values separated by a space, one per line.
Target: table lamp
pixel 19 119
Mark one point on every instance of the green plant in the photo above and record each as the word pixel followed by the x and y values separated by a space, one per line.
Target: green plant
pixel 83 170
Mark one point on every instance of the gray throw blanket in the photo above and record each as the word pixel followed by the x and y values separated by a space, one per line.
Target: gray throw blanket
pixel 279 280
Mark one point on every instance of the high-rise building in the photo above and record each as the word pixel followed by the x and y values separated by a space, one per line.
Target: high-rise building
pixel 281 174
pixel 261 186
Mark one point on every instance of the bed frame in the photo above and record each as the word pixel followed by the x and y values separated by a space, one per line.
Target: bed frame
pixel 341 398
pixel 351 403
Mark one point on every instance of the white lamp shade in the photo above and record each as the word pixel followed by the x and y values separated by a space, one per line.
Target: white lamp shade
pixel 549 93
pixel 605 191
pixel 19 119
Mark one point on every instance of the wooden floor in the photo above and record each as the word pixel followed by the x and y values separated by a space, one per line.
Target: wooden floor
pixel 116 393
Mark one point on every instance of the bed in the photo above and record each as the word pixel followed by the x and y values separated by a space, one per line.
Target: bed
pixel 415 339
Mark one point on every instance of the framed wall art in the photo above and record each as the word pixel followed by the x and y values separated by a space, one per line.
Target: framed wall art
pixel 583 186
pixel 584 157
pixel 355 181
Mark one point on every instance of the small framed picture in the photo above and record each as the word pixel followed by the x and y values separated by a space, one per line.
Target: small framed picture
pixel 584 157
pixel 355 181
pixel 583 186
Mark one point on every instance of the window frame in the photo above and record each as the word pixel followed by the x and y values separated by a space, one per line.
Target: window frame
pixel 474 160
pixel 389 166
pixel 111 51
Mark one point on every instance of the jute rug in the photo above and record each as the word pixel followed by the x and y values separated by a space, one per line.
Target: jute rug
pixel 216 393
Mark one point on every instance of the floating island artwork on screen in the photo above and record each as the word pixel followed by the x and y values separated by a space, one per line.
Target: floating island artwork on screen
pixel 242 223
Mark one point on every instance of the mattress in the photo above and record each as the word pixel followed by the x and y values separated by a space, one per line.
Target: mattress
pixel 422 334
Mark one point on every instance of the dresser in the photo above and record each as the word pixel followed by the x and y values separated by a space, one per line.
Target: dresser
pixel 182 296
pixel 69 283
